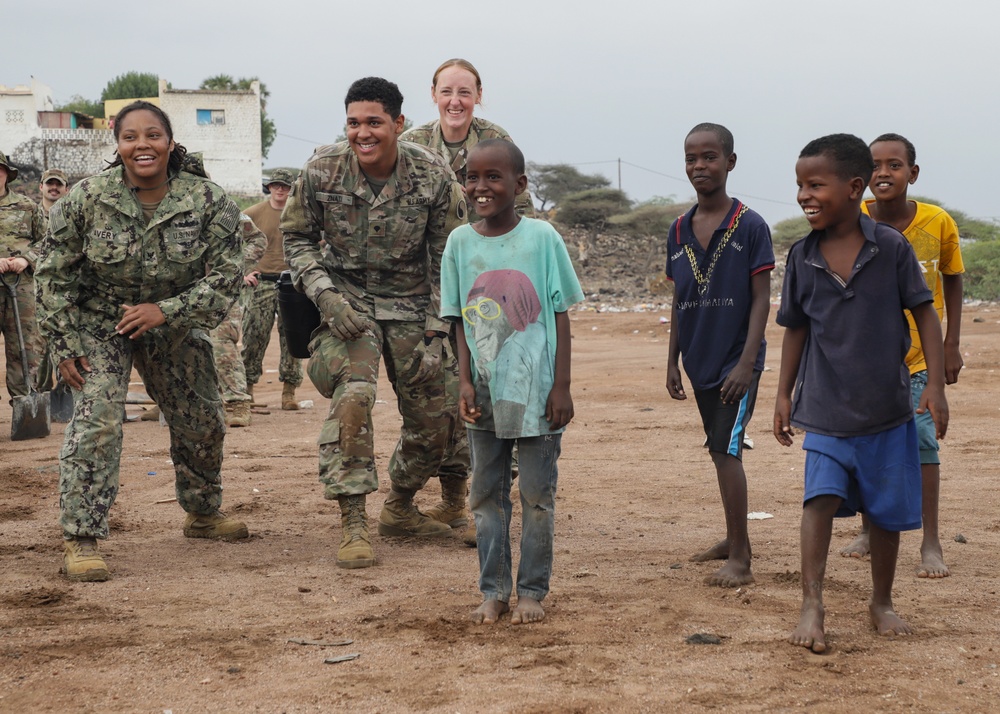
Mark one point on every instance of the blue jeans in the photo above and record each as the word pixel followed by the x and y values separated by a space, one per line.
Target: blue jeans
pixel 489 499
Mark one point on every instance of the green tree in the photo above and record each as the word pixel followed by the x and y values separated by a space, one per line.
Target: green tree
pixel 226 83
pixel 551 183
pixel 982 270
pixel 786 232
pixel 131 85
pixel 648 219
pixel 82 106
pixel 592 209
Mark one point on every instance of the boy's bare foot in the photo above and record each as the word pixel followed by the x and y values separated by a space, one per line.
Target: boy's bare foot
pixel 887 622
pixel 857 548
pixel 489 612
pixel 527 610
pixel 809 633
pixel 719 551
pixel 932 562
pixel 731 575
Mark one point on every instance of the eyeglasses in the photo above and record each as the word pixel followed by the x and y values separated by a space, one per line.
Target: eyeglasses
pixel 485 309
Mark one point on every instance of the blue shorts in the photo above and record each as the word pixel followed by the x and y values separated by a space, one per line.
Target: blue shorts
pixel 878 474
pixel 926 431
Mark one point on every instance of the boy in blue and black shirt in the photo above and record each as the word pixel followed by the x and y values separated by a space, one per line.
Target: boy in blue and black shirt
pixel 719 258
pixel 846 286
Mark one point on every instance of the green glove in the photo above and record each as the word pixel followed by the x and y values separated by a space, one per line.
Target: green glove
pixel 430 352
pixel 344 322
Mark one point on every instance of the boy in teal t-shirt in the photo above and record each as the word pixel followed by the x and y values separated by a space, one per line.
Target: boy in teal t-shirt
pixel 508 281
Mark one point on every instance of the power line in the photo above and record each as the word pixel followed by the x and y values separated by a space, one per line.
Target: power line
pixel 679 179
pixel 308 141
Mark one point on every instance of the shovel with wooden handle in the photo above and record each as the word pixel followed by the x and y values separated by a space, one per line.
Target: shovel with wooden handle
pixel 31 413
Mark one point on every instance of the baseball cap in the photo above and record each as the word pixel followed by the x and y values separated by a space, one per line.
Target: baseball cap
pixel 56 174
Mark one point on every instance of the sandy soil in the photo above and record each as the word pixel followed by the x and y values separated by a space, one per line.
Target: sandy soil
pixel 191 626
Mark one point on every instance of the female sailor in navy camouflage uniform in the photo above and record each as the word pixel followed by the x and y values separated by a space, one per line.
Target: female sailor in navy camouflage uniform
pixel 139 263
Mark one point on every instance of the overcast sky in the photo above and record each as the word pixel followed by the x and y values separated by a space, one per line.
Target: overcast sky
pixel 585 83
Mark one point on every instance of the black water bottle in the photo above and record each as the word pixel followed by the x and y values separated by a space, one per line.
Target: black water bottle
pixel 299 316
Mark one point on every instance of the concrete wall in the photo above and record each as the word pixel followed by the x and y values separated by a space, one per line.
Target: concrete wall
pixel 231 149
pixel 78 152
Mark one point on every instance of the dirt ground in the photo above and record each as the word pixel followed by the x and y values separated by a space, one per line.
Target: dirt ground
pixel 192 626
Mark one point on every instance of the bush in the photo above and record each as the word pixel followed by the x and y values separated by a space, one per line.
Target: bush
pixel 982 270
pixel 591 209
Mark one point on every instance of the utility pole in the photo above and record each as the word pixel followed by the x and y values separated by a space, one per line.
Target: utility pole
pixel 619 173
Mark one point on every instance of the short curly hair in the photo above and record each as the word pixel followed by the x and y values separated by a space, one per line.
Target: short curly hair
pixel 850 155
pixel 376 89
pixel 911 150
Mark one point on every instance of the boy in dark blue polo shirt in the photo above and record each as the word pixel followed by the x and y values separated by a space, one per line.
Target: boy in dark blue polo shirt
pixel 719 258
pixel 846 337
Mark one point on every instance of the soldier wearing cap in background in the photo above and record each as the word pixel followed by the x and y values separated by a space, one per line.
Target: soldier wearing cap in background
pixel 54 185
pixel 21 227
pixel 261 308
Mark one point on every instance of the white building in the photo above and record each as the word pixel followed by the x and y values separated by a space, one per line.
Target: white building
pixel 223 125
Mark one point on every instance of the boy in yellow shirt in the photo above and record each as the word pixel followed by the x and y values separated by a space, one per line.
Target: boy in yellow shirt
pixel 934 237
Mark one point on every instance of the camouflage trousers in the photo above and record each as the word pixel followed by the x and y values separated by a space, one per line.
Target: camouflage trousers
pixel 179 374
pixel 258 319
pixel 456 455
pixel 347 373
pixel 228 361
pixel 34 345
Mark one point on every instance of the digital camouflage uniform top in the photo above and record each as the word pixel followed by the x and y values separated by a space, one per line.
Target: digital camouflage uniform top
pixel 98 257
pixel 384 252
pixel 22 225
pixel 430 135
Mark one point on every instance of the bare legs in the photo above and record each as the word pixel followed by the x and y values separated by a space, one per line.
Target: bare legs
pixel 736 547
pixel 817 527
pixel 932 563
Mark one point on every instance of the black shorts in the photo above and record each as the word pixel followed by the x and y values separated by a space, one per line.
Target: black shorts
pixel 725 424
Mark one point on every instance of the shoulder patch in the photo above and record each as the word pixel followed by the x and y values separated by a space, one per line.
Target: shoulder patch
pixel 229 216
pixel 57 221
pixel 461 211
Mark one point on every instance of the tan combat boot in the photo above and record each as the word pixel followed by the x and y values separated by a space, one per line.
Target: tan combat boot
pixel 469 534
pixel 399 517
pixel 151 414
pixel 252 402
pixel 214 525
pixel 238 414
pixel 82 562
pixel 355 547
pixel 288 401
pixel 450 510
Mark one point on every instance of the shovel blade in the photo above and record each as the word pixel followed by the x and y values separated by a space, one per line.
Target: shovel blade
pixel 31 417
pixel 61 403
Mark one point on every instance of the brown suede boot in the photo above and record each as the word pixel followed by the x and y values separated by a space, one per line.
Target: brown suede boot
pixel 450 510
pixel 399 517
pixel 288 401
pixel 469 534
pixel 151 414
pixel 238 414
pixel 252 402
pixel 82 562
pixel 355 547
pixel 214 525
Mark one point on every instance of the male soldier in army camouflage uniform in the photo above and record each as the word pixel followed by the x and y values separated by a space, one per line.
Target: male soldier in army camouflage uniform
pixel 365 228
pixel 21 227
pixel 226 337
pixel 53 186
pixel 258 317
